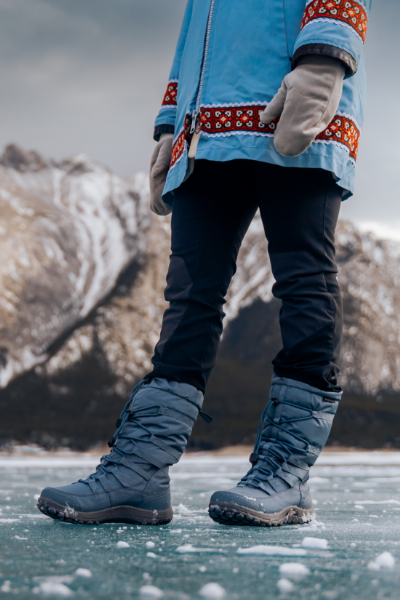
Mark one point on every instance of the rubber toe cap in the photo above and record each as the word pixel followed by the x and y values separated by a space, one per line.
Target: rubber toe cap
pixel 236 497
pixel 61 497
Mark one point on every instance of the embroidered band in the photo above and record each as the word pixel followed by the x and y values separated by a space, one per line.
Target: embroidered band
pixel 170 97
pixel 178 149
pixel 231 120
pixel 234 118
pixel 342 130
pixel 346 11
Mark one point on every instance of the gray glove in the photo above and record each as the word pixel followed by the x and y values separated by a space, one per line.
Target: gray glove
pixel 159 167
pixel 307 102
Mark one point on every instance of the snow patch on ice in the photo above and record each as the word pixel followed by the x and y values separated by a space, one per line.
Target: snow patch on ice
pixel 385 560
pixel 189 548
pixel 284 585
pixel 151 591
pixel 6 587
pixel 83 573
pixel 184 510
pixel 214 591
pixel 8 520
pixel 53 588
pixel 150 544
pixel 272 550
pixel 122 545
pixel 151 555
pixel 294 570
pixel 311 542
pixel 314 525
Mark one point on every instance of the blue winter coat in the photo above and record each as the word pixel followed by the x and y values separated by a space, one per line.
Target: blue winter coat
pixel 231 58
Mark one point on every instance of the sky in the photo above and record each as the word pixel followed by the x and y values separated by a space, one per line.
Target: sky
pixel 88 76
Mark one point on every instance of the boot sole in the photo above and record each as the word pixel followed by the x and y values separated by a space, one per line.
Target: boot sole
pixel 233 514
pixel 118 514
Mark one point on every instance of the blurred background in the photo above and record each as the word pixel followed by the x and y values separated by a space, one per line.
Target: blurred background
pixel 83 260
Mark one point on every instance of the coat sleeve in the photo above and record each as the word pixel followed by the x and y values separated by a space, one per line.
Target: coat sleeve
pixel 336 28
pixel 165 121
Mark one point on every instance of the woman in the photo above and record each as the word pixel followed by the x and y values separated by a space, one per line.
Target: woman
pixel 263 110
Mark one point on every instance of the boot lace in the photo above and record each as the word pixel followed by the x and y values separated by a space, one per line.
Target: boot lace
pixel 264 468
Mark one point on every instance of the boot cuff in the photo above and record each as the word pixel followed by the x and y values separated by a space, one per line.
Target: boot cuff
pixel 291 383
pixel 182 390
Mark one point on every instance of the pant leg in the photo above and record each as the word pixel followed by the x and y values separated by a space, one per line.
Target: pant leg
pixel 300 208
pixel 211 213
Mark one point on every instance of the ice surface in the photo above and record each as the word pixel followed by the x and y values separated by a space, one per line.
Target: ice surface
pixel 311 542
pixel 272 550
pixel 213 591
pixel 377 501
pixel 55 551
pixel 294 569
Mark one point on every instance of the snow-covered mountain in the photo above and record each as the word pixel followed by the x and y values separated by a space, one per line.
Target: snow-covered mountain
pixel 83 271
pixel 67 230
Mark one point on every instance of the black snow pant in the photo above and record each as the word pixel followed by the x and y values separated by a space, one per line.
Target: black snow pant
pixel 211 213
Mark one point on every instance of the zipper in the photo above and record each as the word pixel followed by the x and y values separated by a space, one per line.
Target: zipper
pixel 196 111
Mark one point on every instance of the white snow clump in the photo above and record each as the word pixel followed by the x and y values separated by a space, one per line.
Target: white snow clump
pixel 53 588
pixel 151 591
pixel 122 545
pixel 150 544
pixel 188 548
pixel 312 542
pixel 272 550
pixel 385 560
pixel 294 570
pixel 6 587
pixel 182 509
pixel 151 555
pixel 213 591
pixel 284 585
pixel 83 573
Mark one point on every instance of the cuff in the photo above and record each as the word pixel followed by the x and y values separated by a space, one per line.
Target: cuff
pixel 348 61
pixel 160 129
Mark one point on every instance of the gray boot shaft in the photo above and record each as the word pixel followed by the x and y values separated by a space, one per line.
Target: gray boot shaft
pixel 154 428
pixel 293 430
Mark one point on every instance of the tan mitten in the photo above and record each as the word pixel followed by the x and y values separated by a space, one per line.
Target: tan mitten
pixel 159 167
pixel 306 103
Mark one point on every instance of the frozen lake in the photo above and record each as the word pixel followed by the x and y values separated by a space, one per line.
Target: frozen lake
pixel 357 499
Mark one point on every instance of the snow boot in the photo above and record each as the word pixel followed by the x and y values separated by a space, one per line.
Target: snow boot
pixel 131 484
pixel 293 430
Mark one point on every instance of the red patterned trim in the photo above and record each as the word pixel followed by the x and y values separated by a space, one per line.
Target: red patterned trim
pixel 178 149
pixel 345 131
pixel 232 120
pixel 171 95
pixel 235 118
pixel 346 11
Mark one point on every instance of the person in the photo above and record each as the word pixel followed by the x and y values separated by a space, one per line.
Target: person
pixel 263 110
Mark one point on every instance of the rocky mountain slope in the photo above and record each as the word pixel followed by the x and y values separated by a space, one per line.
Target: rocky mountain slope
pixel 82 274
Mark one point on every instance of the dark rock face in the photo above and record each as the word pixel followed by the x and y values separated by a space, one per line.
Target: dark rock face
pixel 83 271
